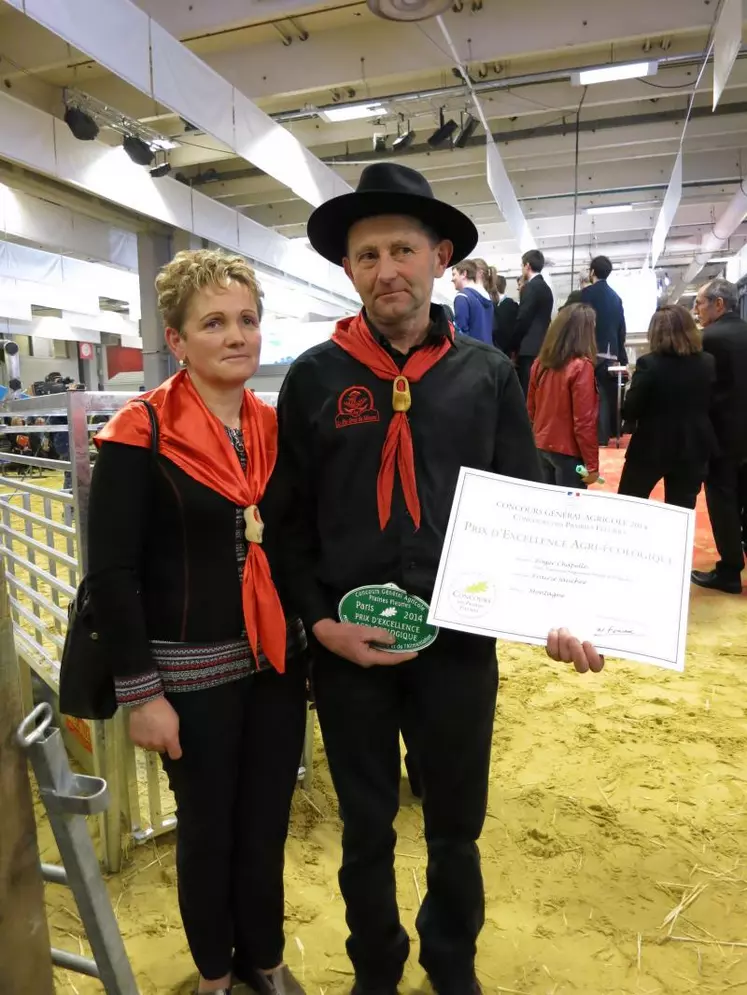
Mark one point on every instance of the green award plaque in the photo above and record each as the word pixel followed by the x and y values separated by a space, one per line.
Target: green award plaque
pixel 386 606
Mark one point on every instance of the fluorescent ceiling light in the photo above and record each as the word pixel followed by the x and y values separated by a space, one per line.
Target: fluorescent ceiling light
pixel 163 144
pixel 352 112
pixel 608 74
pixel 720 259
pixel 610 209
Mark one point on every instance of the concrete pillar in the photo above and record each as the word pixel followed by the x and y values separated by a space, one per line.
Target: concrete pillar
pixel 153 251
pixel 102 372
pixel 181 240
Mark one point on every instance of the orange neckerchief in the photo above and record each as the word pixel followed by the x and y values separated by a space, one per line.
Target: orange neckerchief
pixel 197 442
pixel 354 336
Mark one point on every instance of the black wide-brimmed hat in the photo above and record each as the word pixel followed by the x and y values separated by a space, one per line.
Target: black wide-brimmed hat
pixel 388 188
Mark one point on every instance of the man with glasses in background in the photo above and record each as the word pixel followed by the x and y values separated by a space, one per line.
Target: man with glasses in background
pixel 725 337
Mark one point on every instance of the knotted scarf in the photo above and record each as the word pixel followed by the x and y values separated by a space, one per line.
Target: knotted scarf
pixel 354 336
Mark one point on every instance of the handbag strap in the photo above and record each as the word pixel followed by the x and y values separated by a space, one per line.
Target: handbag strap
pixel 154 433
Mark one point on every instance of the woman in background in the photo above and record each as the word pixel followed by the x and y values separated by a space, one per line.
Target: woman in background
pixel 208 668
pixel 563 401
pixel 473 305
pixel 669 399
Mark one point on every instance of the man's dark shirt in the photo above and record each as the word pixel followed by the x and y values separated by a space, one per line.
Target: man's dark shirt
pixel 333 414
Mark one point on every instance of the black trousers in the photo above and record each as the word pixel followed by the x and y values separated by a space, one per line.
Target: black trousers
pixel 241 745
pixel 560 470
pixel 607 387
pixel 446 699
pixel 725 512
pixel 743 501
pixel 682 483
pixel 524 366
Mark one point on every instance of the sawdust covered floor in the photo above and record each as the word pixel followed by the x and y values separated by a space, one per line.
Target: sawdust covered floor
pixel 612 801
pixel 618 816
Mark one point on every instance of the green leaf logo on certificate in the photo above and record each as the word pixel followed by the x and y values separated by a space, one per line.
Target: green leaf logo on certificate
pixel 386 606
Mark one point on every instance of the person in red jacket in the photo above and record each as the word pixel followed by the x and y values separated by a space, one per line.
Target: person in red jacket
pixel 563 399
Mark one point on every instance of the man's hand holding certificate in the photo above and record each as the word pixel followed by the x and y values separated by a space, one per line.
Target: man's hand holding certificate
pixel 524 559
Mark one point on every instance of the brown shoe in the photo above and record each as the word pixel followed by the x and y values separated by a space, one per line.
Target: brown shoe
pixel 277 982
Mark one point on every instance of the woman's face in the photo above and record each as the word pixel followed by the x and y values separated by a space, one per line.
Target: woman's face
pixel 220 338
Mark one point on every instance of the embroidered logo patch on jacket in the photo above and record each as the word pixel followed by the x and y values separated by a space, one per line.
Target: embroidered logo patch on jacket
pixel 355 407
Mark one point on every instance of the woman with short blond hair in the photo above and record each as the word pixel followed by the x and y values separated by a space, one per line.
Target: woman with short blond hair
pixel 209 669
pixel 669 400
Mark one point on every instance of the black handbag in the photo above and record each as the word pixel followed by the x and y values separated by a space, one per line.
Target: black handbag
pixel 86 679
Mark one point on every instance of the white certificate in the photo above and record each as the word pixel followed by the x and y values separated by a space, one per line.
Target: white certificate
pixel 523 558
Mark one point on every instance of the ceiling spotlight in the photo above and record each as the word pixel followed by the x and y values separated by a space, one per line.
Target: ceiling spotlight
pixel 443 133
pixel 379 143
pixel 466 132
pixel 403 142
pixel 81 124
pixel 163 170
pixel 138 150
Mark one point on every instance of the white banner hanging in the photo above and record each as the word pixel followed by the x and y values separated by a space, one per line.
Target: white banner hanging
pixel 505 196
pixel 498 181
pixel 668 210
pixel 727 41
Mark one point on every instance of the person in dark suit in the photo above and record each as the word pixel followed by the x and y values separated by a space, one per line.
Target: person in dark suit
pixel 725 338
pixel 504 317
pixel 533 317
pixel 669 400
pixel 610 341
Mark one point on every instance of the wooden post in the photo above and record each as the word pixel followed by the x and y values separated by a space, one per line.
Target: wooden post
pixel 25 952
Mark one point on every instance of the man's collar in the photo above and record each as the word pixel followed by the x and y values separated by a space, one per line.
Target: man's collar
pixel 439 328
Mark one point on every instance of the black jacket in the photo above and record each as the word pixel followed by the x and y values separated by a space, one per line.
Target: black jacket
pixel 669 399
pixel 610 319
pixel 468 410
pixel 504 322
pixel 726 341
pixel 533 317
pixel 162 558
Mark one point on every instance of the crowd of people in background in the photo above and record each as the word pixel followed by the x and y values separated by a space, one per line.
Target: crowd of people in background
pixel 685 403
pixel 36 435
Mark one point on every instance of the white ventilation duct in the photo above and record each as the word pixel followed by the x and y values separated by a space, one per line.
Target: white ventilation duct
pixel 725 226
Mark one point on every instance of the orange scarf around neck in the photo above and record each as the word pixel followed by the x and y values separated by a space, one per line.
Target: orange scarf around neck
pixel 354 336
pixel 195 440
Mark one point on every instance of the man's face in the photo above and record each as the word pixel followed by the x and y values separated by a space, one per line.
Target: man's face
pixel 707 310
pixel 392 265
pixel 526 272
pixel 457 279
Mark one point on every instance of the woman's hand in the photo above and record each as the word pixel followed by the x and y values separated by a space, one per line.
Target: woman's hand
pixel 561 645
pixel 353 642
pixel 154 725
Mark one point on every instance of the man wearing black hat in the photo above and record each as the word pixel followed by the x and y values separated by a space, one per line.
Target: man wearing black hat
pixel 374 426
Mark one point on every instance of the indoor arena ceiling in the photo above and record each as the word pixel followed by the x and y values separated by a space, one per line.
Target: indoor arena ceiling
pixel 298 62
